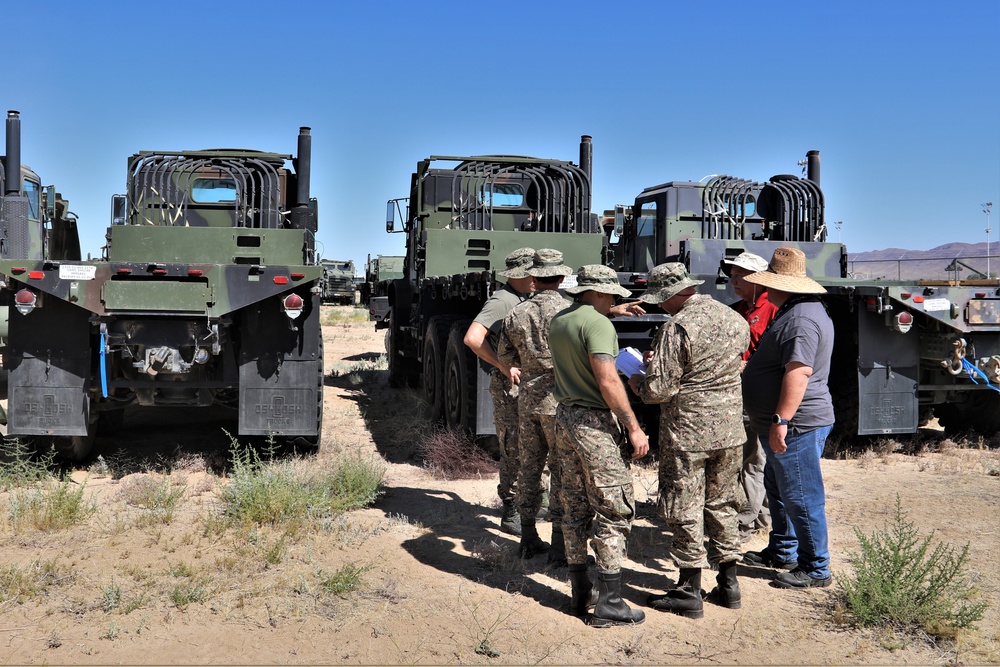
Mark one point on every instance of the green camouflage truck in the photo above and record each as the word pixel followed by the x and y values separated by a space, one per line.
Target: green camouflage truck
pixel 207 294
pixel 338 281
pixel 905 350
pixel 380 271
pixel 462 217
pixel 35 220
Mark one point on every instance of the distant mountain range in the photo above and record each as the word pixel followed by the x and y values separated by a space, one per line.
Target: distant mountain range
pixel 950 261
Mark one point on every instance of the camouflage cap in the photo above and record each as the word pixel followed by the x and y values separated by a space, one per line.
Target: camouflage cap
pixel 597 278
pixel 548 263
pixel 747 261
pixel 666 280
pixel 787 273
pixel 518 263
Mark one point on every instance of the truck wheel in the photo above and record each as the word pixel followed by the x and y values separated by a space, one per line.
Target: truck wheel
pixel 76 448
pixel 435 340
pixel 402 370
pixel 460 386
pixel 980 414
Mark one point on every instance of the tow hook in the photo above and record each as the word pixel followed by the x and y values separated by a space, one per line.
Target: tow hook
pixel 954 364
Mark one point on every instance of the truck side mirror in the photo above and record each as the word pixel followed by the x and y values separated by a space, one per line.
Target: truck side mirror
pixel 118 208
pixel 49 202
pixel 619 220
pixel 390 217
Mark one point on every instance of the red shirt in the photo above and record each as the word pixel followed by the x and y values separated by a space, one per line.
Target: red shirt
pixel 758 317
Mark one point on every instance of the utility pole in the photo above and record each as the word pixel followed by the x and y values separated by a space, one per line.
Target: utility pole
pixel 986 209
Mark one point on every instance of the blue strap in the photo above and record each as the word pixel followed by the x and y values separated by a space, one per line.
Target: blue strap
pixel 973 372
pixel 104 366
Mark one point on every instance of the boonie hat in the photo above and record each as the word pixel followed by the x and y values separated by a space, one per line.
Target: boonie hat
pixel 666 280
pixel 518 263
pixel 548 263
pixel 745 260
pixel 787 272
pixel 597 278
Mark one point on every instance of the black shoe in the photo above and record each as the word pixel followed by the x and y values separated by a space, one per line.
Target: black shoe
pixel 764 558
pixel 799 579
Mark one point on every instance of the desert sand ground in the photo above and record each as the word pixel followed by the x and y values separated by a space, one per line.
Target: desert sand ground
pixel 439 583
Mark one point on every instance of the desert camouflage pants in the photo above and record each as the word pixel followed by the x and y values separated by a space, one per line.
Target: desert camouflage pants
pixel 536 446
pixel 597 496
pixel 505 421
pixel 699 499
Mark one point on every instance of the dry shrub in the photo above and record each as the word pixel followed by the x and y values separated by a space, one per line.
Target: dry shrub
pixel 451 454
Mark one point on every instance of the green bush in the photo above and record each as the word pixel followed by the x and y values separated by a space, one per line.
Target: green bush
pixel 289 492
pixel 902 581
pixel 20 465
pixel 49 505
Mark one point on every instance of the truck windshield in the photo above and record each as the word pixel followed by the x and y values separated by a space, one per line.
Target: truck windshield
pixel 213 190
pixel 31 190
pixel 502 194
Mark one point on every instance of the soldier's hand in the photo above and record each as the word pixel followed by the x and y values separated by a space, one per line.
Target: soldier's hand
pixel 633 383
pixel 629 309
pixel 640 443
pixel 515 375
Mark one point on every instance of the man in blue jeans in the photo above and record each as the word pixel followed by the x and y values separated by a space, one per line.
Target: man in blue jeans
pixel 787 400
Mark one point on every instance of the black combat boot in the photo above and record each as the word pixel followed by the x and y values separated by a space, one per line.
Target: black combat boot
pixel 584 591
pixel 531 543
pixel 557 552
pixel 727 593
pixel 685 598
pixel 610 608
pixel 510 520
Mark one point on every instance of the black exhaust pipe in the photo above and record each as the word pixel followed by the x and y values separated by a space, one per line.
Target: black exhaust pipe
pixel 812 166
pixel 587 156
pixel 12 163
pixel 303 166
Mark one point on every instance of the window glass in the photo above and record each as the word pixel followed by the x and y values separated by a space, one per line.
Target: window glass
pixel 646 224
pixel 32 192
pixel 213 190
pixel 502 194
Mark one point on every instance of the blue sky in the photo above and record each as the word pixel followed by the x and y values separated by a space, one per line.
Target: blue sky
pixel 901 98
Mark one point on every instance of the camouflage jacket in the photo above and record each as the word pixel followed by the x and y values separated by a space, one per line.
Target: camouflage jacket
pixel 695 375
pixel 524 343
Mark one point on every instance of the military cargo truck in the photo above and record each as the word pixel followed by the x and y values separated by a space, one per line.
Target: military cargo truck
pixel 338 281
pixel 462 217
pixel 903 348
pixel 380 271
pixel 35 222
pixel 207 293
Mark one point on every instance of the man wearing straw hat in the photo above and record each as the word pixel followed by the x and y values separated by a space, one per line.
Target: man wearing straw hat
pixel 787 400
pixel 523 344
pixel 481 338
pixel 694 373
pixel 593 411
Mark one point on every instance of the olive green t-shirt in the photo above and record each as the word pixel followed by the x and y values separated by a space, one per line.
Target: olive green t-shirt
pixel 575 334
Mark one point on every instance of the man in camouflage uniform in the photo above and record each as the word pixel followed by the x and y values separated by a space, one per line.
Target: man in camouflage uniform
pixel 524 344
pixel 481 338
pixel 597 496
pixel 694 373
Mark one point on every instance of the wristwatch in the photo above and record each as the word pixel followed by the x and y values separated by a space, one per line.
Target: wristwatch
pixel 778 421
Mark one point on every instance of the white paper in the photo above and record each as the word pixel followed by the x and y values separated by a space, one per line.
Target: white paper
pixel 629 362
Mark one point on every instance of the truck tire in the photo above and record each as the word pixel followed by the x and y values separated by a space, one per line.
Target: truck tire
pixel 460 380
pixel 435 342
pixel 76 448
pixel 980 414
pixel 402 370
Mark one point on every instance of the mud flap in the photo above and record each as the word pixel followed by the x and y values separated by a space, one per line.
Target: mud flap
pixel 888 365
pixel 281 370
pixel 49 360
